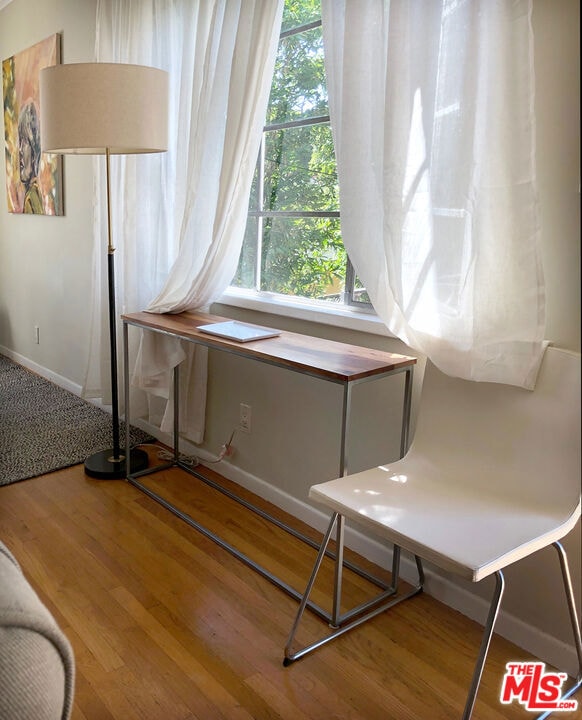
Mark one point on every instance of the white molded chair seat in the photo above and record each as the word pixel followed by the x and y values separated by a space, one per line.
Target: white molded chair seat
pixel 464 530
pixel 493 475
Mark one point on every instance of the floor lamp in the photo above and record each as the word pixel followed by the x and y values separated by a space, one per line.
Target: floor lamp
pixel 105 109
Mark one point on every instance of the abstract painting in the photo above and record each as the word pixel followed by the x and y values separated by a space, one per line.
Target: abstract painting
pixel 33 179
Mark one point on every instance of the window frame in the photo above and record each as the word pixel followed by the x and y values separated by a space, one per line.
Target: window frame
pixel 348 295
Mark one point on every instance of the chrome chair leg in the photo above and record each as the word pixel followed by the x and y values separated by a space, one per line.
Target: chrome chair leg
pixel 495 605
pixel 571 605
pixel 575 624
pixel 289 656
pixel 362 613
pixel 338 575
pixel 564 566
pixel 485 642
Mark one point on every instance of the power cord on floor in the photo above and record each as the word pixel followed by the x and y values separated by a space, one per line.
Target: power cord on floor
pixel 168 455
pixel 226 450
pixel 189 460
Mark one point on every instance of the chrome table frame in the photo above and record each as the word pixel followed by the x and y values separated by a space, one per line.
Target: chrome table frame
pixel 133 478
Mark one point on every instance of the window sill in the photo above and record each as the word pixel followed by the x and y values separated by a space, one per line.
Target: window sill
pixel 339 316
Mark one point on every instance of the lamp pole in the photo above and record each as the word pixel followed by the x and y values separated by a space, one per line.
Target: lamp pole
pixel 112 463
pixel 112 321
pixel 106 109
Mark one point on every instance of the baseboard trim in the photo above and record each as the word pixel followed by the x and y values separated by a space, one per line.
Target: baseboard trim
pixel 42 371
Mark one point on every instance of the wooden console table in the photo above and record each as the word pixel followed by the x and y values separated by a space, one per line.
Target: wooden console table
pixel 340 363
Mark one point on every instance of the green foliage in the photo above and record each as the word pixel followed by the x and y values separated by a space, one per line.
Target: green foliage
pixel 301 256
pixel 299 85
pixel 300 12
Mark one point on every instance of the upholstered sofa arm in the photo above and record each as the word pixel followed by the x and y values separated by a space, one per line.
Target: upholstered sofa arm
pixel 36 660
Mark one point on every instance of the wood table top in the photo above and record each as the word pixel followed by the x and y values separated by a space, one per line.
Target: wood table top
pixel 326 358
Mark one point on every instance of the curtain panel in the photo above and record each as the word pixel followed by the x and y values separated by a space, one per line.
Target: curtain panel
pixel 179 218
pixel 432 111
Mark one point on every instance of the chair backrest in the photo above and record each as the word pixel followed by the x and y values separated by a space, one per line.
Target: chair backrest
pixel 502 439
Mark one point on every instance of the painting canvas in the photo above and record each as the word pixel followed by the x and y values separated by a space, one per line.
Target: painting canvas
pixel 33 179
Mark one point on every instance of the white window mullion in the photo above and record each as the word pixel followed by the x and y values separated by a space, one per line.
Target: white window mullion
pixel 260 191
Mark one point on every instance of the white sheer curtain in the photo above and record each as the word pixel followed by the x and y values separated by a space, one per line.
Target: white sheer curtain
pixel 431 105
pixel 179 218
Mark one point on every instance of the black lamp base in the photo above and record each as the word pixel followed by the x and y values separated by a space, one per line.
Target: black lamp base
pixel 103 466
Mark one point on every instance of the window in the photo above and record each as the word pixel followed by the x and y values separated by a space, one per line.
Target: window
pixel 293 244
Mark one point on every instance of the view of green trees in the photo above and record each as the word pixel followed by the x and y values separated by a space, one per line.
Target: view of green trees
pixel 300 247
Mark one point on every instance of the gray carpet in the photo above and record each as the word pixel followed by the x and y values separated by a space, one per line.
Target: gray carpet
pixel 44 427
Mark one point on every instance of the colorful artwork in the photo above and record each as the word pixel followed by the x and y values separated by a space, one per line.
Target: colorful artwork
pixel 33 179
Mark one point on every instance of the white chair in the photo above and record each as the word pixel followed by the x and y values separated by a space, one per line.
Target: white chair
pixel 493 475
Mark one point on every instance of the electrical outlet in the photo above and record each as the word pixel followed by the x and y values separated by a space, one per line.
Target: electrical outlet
pixel 37 335
pixel 244 418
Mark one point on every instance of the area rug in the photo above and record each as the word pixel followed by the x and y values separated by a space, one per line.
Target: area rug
pixel 45 428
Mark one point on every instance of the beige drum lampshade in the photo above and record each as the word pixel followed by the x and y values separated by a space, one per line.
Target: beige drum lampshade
pixel 87 108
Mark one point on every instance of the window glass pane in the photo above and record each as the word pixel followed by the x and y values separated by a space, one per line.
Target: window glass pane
pixel 303 256
pixel 360 295
pixel 254 196
pixel 246 273
pixel 300 170
pixel 300 12
pixel 299 90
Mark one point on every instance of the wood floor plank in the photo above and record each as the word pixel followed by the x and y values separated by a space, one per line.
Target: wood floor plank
pixel 166 625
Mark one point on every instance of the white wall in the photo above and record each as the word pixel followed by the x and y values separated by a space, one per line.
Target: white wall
pixel 45 262
pixel 45 276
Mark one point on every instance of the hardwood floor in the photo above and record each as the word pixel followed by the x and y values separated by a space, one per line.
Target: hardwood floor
pixel 166 625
